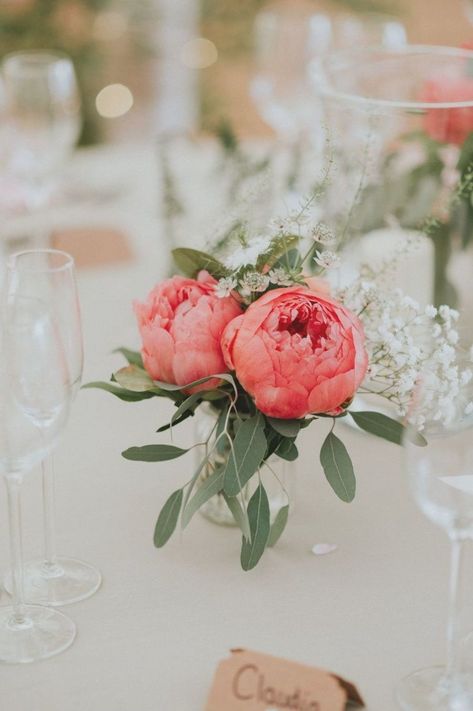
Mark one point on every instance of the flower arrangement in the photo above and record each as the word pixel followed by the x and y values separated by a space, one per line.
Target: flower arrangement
pixel 271 351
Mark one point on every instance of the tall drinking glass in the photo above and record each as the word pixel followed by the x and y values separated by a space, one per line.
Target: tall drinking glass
pixel 42 108
pixel 286 39
pixel 49 275
pixel 34 400
pixel 441 482
pixel 401 140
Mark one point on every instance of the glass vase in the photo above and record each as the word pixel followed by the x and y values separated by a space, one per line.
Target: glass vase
pixel 399 196
pixel 277 475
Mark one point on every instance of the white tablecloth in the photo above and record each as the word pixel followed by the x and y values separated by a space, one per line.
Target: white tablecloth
pixel 150 639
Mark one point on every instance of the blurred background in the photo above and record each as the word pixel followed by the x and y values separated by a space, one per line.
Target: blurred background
pixel 146 66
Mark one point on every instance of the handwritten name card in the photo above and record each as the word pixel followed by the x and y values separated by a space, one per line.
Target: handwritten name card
pixel 251 681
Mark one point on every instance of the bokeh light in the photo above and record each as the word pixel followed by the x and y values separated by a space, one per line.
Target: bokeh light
pixel 114 100
pixel 199 53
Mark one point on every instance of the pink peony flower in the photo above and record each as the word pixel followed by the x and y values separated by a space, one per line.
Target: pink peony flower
pixel 297 351
pixel 181 325
pixel 449 125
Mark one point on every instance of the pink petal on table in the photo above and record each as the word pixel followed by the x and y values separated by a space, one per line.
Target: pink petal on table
pixel 324 548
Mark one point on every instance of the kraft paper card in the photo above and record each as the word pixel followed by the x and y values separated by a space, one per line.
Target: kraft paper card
pixel 251 681
pixel 93 247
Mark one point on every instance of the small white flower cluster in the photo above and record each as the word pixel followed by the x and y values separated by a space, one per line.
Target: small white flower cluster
pixel 248 254
pixel 403 341
pixel 324 234
pixel 327 259
pixel 253 282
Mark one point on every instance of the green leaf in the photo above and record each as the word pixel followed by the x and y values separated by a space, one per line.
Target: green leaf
pixel 191 261
pixel 167 519
pixel 220 439
pixel 258 515
pixel 210 487
pixel 168 425
pixel 131 377
pixel 126 395
pixel 278 526
pixel 287 428
pixel 170 387
pixel 133 357
pixel 287 450
pixel 240 516
pixel 249 447
pixel 188 404
pixel 153 453
pixel 380 425
pixel 279 247
pixel 338 467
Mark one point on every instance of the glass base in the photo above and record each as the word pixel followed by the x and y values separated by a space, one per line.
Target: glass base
pixel 69 581
pixel 42 633
pixel 430 690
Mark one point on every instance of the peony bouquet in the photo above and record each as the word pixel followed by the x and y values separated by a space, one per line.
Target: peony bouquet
pixel 262 343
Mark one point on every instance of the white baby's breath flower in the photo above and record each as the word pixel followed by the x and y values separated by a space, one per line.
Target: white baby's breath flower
pixel 254 281
pixel 430 311
pixel 466 376
pixel 323 234
pixel 225 286
pixel 469 408
pixel 280 277
pixel 327 259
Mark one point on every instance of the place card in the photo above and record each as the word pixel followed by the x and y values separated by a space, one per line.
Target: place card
pixel 93 247
pixel 251 681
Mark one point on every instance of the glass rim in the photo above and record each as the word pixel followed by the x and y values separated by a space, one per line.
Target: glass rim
pixel 327 91
pixel 67 264
pixel 48 57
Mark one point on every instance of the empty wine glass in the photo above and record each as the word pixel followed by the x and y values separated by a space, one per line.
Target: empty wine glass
pixel 441 481
pixel 50 276
pixel 33 388
pixel 42 108
pixel 287 39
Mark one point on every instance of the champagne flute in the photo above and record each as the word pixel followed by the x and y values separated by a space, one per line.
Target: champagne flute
pixel 33 389
pixel 49 275
pixel 42 119
pixel 441 481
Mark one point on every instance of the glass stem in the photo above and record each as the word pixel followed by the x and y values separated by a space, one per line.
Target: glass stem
pixel 455 605
pixel 49 513
pixel 13 485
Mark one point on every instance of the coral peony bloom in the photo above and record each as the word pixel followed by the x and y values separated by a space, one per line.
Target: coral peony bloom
pixel 181 325
pixel 449 125
pixel 297 351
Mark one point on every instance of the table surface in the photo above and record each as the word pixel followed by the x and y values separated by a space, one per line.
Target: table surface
pixel 150 639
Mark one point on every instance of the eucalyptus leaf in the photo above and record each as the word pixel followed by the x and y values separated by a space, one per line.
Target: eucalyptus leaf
pixel 133 357
pixel 126 395
pixel 258 515
pixel 278 526
pixel 167 519
pixel 178 421
pixel 238 513
pixel 210 487
pixel 287 450
pixel 170 387
pixel 188 405
pixel 380 425
pixel 249 447
pixel 338 467
pixel 153 453
pixel 131 377
pixel 192 261
pixel 287 428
